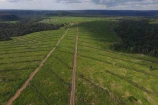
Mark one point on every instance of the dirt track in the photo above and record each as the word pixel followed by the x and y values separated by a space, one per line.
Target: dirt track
pixel 72 95
pixel 18 92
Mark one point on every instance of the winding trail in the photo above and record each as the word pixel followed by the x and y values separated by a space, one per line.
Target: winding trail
pixel 18 92
pixel 72 95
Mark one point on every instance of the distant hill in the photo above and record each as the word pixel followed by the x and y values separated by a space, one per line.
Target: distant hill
pixel 119 12
pixel 37 13
pixel 61 13
pixel 9 17
pixel 103 13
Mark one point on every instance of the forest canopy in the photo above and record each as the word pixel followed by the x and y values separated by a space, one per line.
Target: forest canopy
pixel 137 36
pixel 9 17
pixel 8 30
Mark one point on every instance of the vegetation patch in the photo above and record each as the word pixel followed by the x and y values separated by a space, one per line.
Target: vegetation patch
pixel 9 17
pixel 7 30
pixel 103 75
pixel 137 36
pixel 132 99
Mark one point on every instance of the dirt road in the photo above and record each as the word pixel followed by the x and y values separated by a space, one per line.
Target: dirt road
pixel 72 95
pixel 18 92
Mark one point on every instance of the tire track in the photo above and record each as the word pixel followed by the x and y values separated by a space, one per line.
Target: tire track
pixel 18 92
pixel 72 94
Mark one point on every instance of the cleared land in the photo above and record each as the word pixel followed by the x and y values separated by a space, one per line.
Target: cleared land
pixel 34 73
pixel 20 56
pixel 103 76
pixel 52 82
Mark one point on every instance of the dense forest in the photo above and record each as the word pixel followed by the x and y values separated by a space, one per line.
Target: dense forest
pixel 137 36
pixel 8 30
pixel 37 13
pixel 9 18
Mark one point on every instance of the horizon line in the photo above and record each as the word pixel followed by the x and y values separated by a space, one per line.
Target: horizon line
pixel 76 10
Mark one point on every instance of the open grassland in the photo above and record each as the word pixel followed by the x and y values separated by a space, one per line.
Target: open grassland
pixel 61 20
pixel 107 77
pixel 103 76
pixel 154 21
pixel 20 56
pixel 52 84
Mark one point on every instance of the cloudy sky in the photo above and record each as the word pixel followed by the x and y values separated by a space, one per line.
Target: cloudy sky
pixel 80 4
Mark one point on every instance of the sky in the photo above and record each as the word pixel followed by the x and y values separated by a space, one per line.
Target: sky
pixel 79 4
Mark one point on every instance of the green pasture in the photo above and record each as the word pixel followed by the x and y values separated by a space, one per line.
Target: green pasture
pixel 64 19
pixel 20 56
pixel 107 77
pixel 52 83
pixel 103 76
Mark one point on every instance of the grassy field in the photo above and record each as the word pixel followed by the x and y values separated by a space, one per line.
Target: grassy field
pixel 61 20
pixel 52 83
pixel 104 76
pixel 20 56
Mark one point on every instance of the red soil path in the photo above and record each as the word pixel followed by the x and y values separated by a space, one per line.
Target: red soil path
pixel 72 95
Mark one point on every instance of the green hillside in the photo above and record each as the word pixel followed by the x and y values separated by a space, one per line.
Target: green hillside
pixel 103 76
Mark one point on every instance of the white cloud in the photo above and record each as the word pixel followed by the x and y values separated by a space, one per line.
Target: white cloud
pixel 80 4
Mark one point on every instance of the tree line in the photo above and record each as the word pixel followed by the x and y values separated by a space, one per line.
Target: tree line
pixel 7 30
pixel 9 17
pixel 137 36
